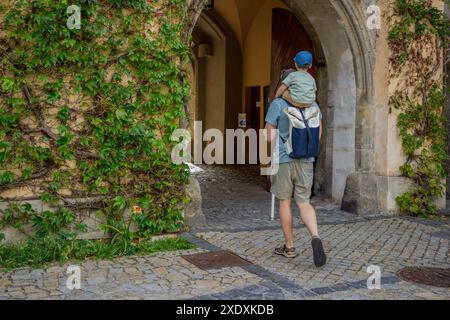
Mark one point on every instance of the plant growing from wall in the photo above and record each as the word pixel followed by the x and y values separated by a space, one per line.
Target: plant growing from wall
pixel 86 115
pixel 418 38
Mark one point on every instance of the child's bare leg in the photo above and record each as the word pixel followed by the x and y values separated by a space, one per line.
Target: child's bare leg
pixel 287 96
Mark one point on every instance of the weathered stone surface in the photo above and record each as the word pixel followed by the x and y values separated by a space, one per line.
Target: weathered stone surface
pixel 193 213
pixel 360 194
pixel 12 235
pixel 389 188
pixel 368 194
pixel 89 218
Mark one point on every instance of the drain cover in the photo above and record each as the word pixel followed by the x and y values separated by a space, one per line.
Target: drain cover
pixel 435 277
pixel 216 260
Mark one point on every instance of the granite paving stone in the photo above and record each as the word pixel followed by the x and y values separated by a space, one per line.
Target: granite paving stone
pixel 237 210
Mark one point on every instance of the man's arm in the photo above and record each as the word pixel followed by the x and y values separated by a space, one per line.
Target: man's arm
pixel 272 121
pixel 281 90
pixel 271 132
pixel 320 130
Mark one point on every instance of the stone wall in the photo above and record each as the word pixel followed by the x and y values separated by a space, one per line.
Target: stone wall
pixel 193 215
pixel 389 154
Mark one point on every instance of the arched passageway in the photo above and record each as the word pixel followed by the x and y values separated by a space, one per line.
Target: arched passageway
pixel 234 74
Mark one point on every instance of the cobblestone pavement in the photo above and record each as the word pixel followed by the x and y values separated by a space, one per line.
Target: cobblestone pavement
pixel 165 276
pixel 234 198
pixel 237 210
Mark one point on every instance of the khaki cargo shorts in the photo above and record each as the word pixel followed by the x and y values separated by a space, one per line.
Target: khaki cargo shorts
pixel 294 178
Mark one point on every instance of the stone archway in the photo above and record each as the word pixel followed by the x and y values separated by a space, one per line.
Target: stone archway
pixel 346 52
pixel 338 29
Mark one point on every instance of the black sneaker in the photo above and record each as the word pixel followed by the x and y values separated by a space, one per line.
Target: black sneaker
pixel 320 259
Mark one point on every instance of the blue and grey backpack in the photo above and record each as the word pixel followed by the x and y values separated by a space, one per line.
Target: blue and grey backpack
pixel 304 132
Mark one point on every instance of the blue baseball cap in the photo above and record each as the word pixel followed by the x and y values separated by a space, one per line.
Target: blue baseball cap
pixel 303 58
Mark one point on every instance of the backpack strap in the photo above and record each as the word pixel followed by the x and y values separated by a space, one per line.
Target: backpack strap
pixel 310 136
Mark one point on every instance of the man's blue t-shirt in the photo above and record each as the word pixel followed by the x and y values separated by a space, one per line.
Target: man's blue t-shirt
pixel 277 118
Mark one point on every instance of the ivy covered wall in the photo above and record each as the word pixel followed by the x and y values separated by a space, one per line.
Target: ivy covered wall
pixel 418 40
pixel 87 113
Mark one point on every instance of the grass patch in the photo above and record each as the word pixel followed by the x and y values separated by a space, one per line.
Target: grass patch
pixel 37 253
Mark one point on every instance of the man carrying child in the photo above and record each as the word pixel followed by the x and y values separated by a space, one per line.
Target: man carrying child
pixel 294 176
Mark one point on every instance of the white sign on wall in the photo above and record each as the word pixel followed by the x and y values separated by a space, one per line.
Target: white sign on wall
pixel 242 120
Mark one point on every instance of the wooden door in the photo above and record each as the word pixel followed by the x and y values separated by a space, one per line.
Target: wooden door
pixel 253 109
pixel 288 38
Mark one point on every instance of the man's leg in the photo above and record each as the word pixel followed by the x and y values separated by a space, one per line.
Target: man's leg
pixel 307 212
pixel 309 218
pixel 287 249
pixel 286 222
pixel 283 188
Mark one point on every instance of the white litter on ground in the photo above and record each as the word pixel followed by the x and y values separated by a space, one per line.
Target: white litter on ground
pixel 194 169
